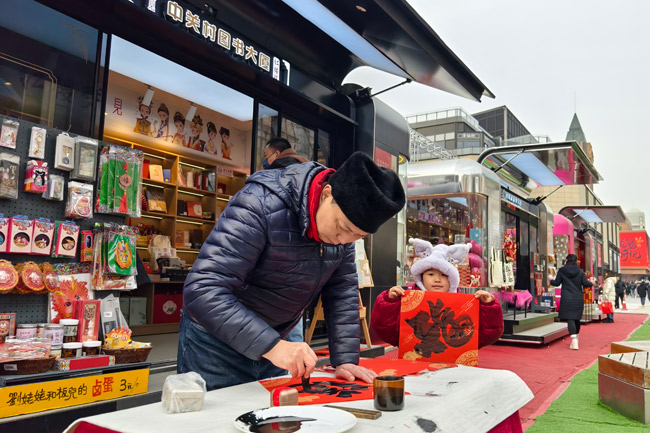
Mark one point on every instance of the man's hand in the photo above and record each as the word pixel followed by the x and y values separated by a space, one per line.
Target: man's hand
pixel 298 358
pixel 395 292
pixel 484 296
pixel 351 372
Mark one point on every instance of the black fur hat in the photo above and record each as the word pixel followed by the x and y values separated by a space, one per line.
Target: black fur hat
pixel 367 194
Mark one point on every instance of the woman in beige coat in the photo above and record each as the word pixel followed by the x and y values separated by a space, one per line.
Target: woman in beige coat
pixel 609 294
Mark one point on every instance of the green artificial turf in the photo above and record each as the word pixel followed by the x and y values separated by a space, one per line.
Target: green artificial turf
pixel 578 409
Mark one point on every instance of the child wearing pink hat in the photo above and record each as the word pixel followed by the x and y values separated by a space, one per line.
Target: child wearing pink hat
pixel 435 272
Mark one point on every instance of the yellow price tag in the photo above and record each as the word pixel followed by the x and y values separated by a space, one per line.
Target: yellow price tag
pixel 37 397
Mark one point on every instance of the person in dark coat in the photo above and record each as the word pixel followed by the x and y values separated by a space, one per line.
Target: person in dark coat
pixel 278 153
pixel 573 280
pixel 642 290
pixel 620 293
pixel 284 239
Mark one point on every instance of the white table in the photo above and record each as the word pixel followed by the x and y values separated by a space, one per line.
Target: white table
pixel 461 399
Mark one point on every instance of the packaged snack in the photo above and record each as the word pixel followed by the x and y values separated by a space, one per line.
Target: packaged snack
pixel 8 277
pixel 9 133
pixel 55 187
pixel 37 143
pixel 43 236
pixel 64 158
pixel 9 175
pixel 36 176
pixel 21 231
pixel 31 278
pixel 80 200
pixel 7 325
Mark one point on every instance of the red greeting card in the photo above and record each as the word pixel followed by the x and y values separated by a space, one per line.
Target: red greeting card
pixel 400 367
pixel 88 315
pixel 439 327
pixel 323 389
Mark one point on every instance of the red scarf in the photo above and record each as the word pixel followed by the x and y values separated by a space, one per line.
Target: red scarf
pixel 313 201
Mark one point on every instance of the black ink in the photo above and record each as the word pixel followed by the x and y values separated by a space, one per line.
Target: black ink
pixel 427 425
pixel 338 389
pixel 439 329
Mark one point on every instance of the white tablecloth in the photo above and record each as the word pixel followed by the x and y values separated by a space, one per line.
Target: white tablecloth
pixel 462 399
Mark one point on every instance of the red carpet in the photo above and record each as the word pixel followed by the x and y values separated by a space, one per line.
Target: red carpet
pixel 548 369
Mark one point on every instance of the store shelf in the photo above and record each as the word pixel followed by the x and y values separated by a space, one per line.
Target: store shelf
pixel 181 250
pixel 224 197
pixel 156 183
pixel 156 215
pixel 180 219
pixel 195 191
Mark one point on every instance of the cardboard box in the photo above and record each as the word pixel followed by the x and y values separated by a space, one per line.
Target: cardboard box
pixel 21 235
pixel 138 311
pixel 167 307
pixel 70 364
pixel 43 237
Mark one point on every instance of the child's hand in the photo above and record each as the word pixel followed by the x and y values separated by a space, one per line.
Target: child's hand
pixel 483 296
pixel 395 292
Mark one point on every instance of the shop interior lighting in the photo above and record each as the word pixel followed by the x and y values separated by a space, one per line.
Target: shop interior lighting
pixel 148 96
pixel 151 184
pixel 321 17
pixel 189 222
pixel 190 112
pixel 193 166
pixel 535 169
pixel 162 74
pixel 151 217
pixel 182 191
pixel 460 200
pixel 153 156
pixel 188 251
pixel 223 199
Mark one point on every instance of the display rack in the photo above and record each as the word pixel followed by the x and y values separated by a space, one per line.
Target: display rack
pixel 33 308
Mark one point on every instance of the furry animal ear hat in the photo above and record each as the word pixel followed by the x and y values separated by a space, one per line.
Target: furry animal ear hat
pixel 441 257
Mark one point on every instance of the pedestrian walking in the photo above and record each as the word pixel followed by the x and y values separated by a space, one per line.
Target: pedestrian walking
pixel 609 296
pixel 642 290
pixel 573 280
pixel 620 292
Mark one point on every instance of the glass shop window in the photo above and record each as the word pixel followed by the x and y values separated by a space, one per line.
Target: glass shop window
pixel 267 128
pixel 452 219
pixel 300 137
pixel 47 67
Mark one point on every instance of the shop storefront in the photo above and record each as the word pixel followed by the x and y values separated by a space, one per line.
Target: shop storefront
pixel 195 89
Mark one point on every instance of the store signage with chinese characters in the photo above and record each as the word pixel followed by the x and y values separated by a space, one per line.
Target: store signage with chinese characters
pixel 512 199
pixel 37 397
pixel 194 22
pixel 384 159
pixel 634 249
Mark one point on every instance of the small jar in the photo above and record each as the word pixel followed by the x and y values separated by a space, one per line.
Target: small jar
pixel 71 350
pixel 55 350
pixel 40 330
pixel 90 348
pixel 54 333
pixel 70 327
pixel 26 331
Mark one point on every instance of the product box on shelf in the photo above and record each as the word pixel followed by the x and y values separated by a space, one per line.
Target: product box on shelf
pixel 167 307
pixel 4 233
pixel 70 364
pixel 7 325
pixel 43 236
pixel 21 232
pixel 138 311
pixel 88 313
pixel 67 236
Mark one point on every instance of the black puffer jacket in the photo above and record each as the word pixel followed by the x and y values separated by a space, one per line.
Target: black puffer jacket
pixel 572 279
pixel 257 271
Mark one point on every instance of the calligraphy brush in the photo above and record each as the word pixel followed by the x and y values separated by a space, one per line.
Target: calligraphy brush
pixel 305 382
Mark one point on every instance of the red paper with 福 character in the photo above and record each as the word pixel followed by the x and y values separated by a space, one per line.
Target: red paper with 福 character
pixel 439 327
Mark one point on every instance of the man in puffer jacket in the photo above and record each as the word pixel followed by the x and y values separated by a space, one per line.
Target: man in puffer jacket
pixel 283 240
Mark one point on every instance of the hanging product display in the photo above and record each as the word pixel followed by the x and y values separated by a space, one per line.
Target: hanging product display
pixel 86 246
pixel 43 236
pixel 8 276
pixel 21 231
pixel 50 277
pixel 67 236
pixel 64 156
pixel 36 177
pixel 37 143
pixel 9 133
pixel 80 201
pixel 4 233
pixel 119 186
pixel 120 248
pixel 85 159
pixel 55 187
pixel 114 257
pixel 9 175
pixel 31 278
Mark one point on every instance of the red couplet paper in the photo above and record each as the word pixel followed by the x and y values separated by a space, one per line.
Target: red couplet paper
pixel 439 327
pixel 400 367
pixel 323 389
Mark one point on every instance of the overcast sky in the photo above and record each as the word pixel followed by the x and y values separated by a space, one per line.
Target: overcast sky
pixel 534 56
